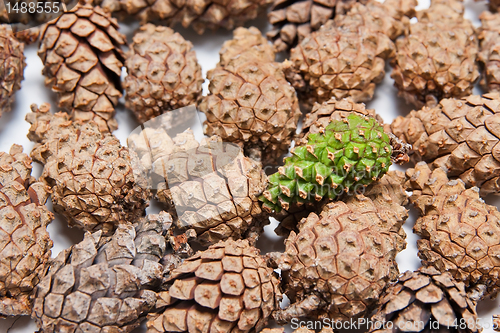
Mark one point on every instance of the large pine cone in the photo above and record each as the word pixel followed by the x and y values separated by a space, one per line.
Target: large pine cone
pixel 459 135
pixel 459 232
pixel 163 73
pixel 24 241
pixel 82 58
pixel 489 57
pixel 338 263
pixel 227 288
pixel 103 284
pixel 425 301
pixel 210 186
pixel 12 63
pixel 95 183
pixel 250 102
pixel 436 59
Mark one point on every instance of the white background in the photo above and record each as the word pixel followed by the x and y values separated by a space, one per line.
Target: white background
pixel 13 129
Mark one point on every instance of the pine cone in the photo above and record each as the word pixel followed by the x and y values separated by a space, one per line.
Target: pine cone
pixel 103 284
pixel 210 14
pixel 12 64
pixel 24 241
pixel 436 59
pixel 163 73
pixel 227 288
pixel 459 232
pixel 210 186
pixel 250 102
pixel 425 301
pixel 338 264
pixel 458 135
pixel 96 182
pixel 489 57
pixel 83 62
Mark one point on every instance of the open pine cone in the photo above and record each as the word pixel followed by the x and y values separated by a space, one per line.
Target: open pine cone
pixel 12 64
pixel 103 284
pixel 95 181
pixel 489 56
pixel 82 58
pixel 24 241
pixel 227 288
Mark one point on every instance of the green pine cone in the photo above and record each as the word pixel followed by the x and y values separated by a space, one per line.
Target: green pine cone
pixel 347 156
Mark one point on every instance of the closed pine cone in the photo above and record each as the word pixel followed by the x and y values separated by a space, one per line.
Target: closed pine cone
pixel 459 135
pixel 163 73
pixel 82 58
pixel 210 186
pixel 24 241
pixel 489 57
pixel 425 301
pixel 12 64
pixel 103 284
pixel 459 232
pixel 436 59
pixel 210 14
pixel 338 263
pixel 227 288
pixel 96 183
pixel 250 102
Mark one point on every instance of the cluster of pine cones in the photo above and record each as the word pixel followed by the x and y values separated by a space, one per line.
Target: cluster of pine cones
pixel 194 267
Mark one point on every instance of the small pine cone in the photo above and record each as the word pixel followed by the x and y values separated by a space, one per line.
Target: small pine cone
pixel 459 232
pixel 82 57
pixel 12 64
pixel 163 73
pixel 210 186
pixel 96 183
pixel 250 102
pixel 339 262
pixel 437 57
pixel 489 57
pixel 227 288
pixel 425 301
pixel 103 284
pixel 25 242
pixel 459 135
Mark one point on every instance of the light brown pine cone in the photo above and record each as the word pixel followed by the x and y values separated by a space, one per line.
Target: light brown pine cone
pixel 12 64
pixel 489 56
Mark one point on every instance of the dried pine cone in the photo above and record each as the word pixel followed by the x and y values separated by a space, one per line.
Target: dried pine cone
pixel 163 73
pixel 96 183
pixel 489 57
pixel 103 284
pixel 24 241
pixel 437 57
pixel 425 301
pixel 250 102
pixel 227 288
pixel 459 233
pixel 338 263
pixel 459 135
pixel 12 64
pixel 82 57
pixel 210 186
pixel 210 14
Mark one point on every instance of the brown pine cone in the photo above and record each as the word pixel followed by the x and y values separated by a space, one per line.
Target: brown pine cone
pixel 459 135
pixel 425 301
pixel 12 64
pixel 227 288
pixel 437 57
pixel 163 73
pixel 96 182
pixel 24 241
pixel 103 284
pixel 82 58
pixel 489 57
pixel 459 232
pixel 250 102
pixel 210 186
